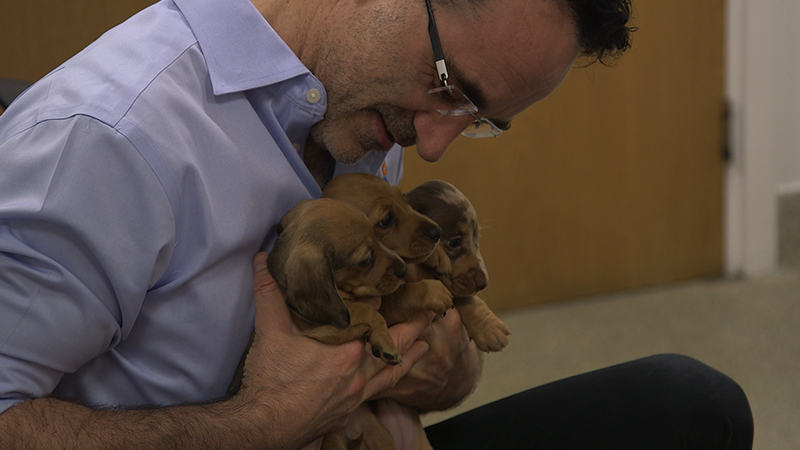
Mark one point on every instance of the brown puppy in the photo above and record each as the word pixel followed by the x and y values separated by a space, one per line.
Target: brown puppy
pixel 415 238
pixel 407 232
pixel 325 260
pixel 456 263
pixel 462 270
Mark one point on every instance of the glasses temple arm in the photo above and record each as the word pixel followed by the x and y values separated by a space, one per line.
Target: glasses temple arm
pixel 438 54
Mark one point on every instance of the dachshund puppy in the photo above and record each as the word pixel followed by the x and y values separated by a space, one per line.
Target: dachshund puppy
pixel 407 232
pixel 458 268
pixel 461 268
pixel 325 260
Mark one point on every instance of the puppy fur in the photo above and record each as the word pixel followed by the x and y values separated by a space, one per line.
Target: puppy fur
pixel 410 234
pixel 318 276
pixel 456 263
pixel 461 269
pixel 325 260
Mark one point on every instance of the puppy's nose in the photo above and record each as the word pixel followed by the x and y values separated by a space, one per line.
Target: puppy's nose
pixel 480 280
pixel 435 233
pixel 401 271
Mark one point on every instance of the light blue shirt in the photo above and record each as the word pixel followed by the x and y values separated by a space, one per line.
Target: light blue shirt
pixel 137 181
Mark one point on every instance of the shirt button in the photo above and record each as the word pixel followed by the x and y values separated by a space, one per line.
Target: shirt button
pixel 313 96
pixel 296 147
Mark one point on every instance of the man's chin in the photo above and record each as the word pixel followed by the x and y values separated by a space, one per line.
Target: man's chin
pixel 346 151
pixel 354 155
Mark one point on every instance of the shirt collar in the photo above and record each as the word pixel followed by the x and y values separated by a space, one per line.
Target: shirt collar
pixel 241 49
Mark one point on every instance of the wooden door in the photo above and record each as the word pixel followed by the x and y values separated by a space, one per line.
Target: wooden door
pixel 38 35
pixel 614 181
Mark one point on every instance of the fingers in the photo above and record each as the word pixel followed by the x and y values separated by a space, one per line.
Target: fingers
pixel 406 336
pixel 388 376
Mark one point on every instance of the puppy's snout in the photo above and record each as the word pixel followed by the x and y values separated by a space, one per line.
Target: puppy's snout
pixel 401 271
pixel 480 280
pixel 435 233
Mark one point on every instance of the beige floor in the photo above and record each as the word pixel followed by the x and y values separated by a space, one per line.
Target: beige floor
pixel 749 330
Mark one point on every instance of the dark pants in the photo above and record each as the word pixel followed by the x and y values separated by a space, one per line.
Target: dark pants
pixel 660 402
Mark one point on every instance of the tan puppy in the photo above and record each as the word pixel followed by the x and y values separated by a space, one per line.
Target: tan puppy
pixel 407 232
pixel 462 270
pixel 325 260
pixel 327 257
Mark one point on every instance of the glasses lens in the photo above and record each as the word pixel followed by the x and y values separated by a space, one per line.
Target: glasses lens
pixel 482 128
pixel 450 101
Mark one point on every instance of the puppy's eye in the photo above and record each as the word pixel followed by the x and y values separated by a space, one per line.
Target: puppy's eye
pixel 387 221
pixel 366 264
pixel 454 242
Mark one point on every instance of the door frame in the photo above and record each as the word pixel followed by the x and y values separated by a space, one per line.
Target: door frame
pixel 755 63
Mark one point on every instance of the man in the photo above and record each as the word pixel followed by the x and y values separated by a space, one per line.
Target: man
pixel 140 178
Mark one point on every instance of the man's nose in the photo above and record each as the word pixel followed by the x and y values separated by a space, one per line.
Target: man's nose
pixel 436 131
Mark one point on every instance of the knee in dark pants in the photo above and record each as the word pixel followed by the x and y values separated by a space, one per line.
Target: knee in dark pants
pixel 715 409
pixel 663 402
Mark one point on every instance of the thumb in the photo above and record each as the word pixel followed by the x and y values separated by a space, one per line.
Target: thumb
pixel 270 304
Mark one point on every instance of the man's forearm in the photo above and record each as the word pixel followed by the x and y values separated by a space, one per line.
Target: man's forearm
pixel 49 423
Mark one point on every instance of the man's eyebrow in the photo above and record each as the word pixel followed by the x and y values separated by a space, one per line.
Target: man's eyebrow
pixel 468 87
pixel 473 91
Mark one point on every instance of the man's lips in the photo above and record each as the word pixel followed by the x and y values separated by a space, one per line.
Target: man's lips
pixel 385 139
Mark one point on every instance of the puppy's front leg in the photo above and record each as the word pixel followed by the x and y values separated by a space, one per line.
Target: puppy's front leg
pixel 383 345
pixel 412 298
pixel 483 326
pixel 364 322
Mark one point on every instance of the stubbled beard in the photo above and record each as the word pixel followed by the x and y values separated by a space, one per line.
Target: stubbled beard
pixel 347 153
pixel 350 149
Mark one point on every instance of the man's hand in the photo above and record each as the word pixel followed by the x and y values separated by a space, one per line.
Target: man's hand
pixel 447 373
pixel 298 389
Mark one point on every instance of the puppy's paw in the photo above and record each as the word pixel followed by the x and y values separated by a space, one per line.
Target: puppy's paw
pixel 492 336
pixel 483 326
pixel 437 297
pixel 383 347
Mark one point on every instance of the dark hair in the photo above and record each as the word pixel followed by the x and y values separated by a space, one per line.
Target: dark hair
pixel 603 29
pixel 602 25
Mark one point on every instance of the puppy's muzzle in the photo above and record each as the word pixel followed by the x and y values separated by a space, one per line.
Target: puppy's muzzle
pixel 402 272
pixel 434 233
pixel 480 280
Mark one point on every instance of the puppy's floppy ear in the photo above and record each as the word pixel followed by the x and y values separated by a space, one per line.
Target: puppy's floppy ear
pixel 304 272
pixel 439 262
pixel 310 287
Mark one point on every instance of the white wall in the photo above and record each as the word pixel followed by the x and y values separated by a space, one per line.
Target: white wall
pixel 763 73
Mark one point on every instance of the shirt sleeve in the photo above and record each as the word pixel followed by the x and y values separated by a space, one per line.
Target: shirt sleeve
pixel 85 230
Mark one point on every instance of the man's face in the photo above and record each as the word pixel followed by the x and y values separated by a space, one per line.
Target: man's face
pixel 378 67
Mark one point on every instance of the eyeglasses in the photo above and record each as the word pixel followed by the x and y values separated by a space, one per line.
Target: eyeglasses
pixel 448 99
